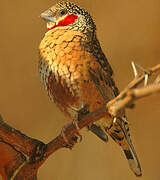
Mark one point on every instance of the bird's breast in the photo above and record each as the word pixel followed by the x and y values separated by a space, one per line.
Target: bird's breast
pixel 64 63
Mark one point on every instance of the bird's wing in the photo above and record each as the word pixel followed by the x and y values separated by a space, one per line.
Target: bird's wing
pixel 119 130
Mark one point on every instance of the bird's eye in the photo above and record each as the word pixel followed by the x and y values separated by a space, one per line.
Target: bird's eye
pixel 63 12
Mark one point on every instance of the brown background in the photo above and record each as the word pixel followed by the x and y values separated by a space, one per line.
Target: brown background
pixel 128 30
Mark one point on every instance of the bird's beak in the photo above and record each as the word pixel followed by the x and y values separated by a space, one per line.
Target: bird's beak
pixel 48 16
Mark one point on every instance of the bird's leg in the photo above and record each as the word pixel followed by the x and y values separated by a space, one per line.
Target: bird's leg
pixel 81 113
pixel 75 123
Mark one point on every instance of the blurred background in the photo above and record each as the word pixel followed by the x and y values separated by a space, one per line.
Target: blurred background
pixel 127 30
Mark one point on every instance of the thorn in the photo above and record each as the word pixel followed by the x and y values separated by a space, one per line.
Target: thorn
pixel 143 69
pixel 115 120
pixel 122 118
pixel 134 69
pixel 146 80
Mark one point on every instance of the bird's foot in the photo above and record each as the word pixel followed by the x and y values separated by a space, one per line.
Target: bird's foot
pixel 69 143
pixel 78 129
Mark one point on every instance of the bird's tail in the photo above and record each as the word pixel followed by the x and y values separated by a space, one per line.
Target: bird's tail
pixel 120 133
pixel 133 160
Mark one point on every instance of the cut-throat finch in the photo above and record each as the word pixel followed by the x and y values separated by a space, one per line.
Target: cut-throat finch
pixel 77 74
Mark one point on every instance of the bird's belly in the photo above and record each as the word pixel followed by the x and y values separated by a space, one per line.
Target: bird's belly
pixel 70 88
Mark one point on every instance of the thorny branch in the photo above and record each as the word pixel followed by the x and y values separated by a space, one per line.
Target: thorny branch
pixel 131 93
pixel 28 154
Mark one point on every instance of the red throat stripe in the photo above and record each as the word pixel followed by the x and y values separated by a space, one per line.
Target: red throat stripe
pixel 70 19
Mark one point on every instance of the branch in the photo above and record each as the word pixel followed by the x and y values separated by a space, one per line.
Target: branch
pixel 130 97
pixel 139 79
pixel 28 154
pixel 131 93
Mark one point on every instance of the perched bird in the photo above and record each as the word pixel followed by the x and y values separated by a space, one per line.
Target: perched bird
pixel 76 73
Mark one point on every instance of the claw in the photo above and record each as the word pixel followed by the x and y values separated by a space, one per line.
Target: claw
pixel 81 113
pixel 70 143
pixel 77 128
pixel 67 143
pixel 63 134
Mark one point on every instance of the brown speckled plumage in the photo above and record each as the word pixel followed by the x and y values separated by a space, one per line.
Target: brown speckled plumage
pixel 65 61
pixel 75 72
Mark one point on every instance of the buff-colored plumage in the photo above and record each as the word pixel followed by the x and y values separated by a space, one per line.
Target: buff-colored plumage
pixel 64 70
pixel 75 72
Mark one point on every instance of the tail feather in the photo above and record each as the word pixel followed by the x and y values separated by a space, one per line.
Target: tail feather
pixel 119 132
pixel 98 131
pixel 130 153
pixel 133 162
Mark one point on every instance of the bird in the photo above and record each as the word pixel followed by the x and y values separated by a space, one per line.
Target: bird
pixel 76 73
